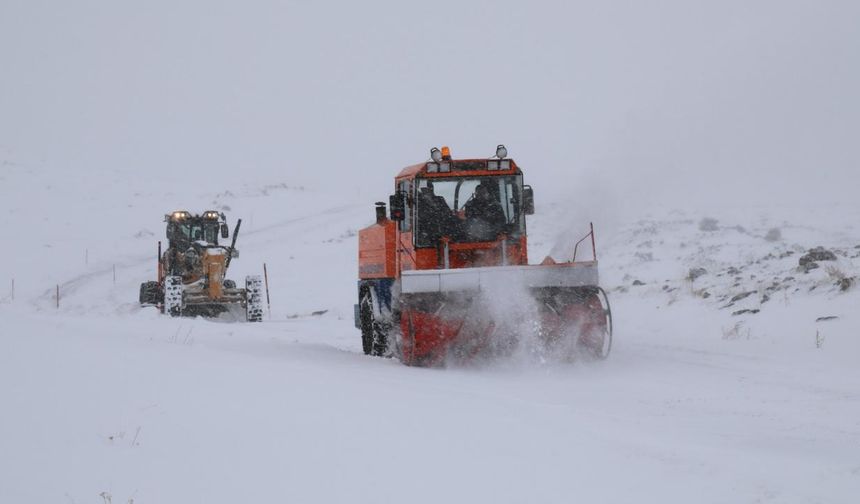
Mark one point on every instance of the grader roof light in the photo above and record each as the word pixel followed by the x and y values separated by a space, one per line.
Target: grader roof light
pixel 501 152
pixel 435 154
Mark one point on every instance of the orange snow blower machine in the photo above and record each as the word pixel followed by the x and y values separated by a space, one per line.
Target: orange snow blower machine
pixel 444 277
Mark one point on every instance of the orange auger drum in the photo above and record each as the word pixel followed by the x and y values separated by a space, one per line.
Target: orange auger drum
pixel 444 275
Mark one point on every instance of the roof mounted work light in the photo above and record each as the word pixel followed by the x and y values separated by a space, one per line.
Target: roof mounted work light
pixel 435 154
pixel 501 152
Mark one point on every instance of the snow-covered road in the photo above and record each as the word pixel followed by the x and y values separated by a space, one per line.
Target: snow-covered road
pixel 694 404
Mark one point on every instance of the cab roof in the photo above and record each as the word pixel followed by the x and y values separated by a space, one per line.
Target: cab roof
pixel 459 168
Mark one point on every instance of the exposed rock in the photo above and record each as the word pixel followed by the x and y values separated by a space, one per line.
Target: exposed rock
pixel 808 266
pixel 845 283
pixel 644 256
pixel 733 271
pixel 708 224
pixel 817 254
pixel 696 273
pixel 773 234
pixel 741 312
pixel 638 282
pixel 742 295
pixel 825 319
pixel 706 295
pixel 765 299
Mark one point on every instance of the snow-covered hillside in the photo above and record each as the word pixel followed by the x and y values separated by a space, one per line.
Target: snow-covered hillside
pixel 733 376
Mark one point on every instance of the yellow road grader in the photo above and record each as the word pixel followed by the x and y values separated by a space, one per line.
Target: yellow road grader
pixel 192 271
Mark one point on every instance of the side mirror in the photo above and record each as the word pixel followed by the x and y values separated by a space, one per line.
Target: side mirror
pixel 397 206
pixel 225 231
pixel 234 253
pixel 528 200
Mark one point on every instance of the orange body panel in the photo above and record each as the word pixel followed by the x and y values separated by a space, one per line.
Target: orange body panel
pixel 213 264
pixel 376 251
pixel 465 255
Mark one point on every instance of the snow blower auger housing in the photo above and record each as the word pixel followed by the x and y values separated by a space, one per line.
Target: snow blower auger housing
pixel 444 275
pixel 192 271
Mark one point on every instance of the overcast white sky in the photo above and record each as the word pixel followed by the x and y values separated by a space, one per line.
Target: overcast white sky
pixel 684 101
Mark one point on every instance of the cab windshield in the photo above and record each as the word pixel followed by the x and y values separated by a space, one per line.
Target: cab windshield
pixel 191 231
pixel 467 209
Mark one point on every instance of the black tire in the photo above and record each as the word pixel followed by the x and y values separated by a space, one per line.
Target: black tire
pixel 150 294
pixel 229 284
pixel 374 333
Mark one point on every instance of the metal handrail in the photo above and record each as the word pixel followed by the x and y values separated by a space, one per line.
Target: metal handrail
pixel 593 247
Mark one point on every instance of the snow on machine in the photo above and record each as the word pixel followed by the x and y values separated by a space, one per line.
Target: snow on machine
pixel 445 276
pixel 192 271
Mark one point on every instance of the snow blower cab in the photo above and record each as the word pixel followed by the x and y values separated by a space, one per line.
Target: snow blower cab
pixel 445 275
pixel 192 271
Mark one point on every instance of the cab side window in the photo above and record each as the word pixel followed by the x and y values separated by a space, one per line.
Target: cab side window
pixel 406 224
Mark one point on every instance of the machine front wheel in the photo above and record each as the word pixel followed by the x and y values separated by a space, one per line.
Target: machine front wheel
pixel 150 294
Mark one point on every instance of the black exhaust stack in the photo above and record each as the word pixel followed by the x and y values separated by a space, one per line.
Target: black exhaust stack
pixel 380 212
